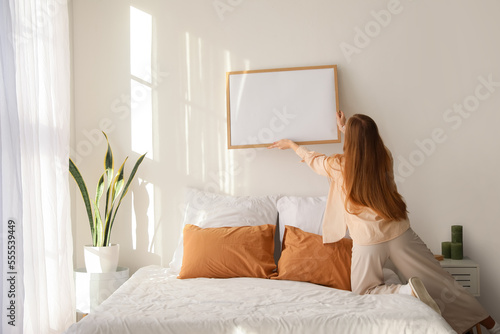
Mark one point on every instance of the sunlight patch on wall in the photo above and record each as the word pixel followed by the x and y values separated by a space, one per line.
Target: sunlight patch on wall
pixel 207 158
pixel 141 35
pixel 227 60
pixel 141 118
pixel 187 115
pixel 142 80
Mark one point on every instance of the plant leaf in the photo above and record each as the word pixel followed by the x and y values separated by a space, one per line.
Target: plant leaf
pixel 125 190
pixel 117 186
pixel 109 170
pixel 118 183
pixel 99 235
pixel 99 190
pixel 83 190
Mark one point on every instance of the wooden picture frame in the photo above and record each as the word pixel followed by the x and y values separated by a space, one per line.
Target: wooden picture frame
pixel 297 103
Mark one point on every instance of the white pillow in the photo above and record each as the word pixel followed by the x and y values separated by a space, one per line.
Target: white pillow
pixel 305 213
pixel 205 209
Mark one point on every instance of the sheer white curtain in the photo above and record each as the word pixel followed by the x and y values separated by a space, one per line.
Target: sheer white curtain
pixel 40 41
pixel 10 182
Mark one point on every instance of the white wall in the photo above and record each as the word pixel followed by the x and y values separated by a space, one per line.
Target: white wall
pixel 427 58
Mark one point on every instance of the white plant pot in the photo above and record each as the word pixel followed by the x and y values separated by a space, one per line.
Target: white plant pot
pixel 101 259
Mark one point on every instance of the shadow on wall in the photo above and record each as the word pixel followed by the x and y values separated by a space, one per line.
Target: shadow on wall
pixel 143 228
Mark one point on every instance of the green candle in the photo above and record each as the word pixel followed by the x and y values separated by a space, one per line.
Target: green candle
pixel 456 233
pixel 457 251
pixel 446 249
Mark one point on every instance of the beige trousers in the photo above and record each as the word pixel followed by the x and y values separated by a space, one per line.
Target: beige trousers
pixel 412 258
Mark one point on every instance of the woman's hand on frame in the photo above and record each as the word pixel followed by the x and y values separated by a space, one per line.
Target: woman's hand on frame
pixel 341 120
pixel 284 144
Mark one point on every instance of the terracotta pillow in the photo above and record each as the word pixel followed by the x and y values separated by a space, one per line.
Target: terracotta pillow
pixel 305 258
pixel 224 252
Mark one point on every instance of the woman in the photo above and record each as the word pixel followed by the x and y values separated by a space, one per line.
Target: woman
pixel 363 197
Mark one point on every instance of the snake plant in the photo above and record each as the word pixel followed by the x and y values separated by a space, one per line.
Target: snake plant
pixel 115 188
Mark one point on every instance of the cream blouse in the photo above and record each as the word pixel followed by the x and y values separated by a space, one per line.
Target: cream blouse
pixel 366 228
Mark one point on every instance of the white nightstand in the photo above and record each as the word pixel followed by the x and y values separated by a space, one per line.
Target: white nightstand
pixel 93 288
pixel 465 272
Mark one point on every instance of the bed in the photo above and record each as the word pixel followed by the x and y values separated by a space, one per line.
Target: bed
pixel 236 270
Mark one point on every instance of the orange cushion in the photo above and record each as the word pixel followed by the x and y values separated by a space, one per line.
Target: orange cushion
pixel 305 258
pixel 224 252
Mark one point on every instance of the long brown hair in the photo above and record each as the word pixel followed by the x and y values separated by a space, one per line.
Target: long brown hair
pixel 368 173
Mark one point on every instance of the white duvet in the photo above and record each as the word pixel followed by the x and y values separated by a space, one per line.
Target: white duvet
pixel 152 301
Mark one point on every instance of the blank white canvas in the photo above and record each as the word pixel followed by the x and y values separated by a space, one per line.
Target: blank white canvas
pixel 296 104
